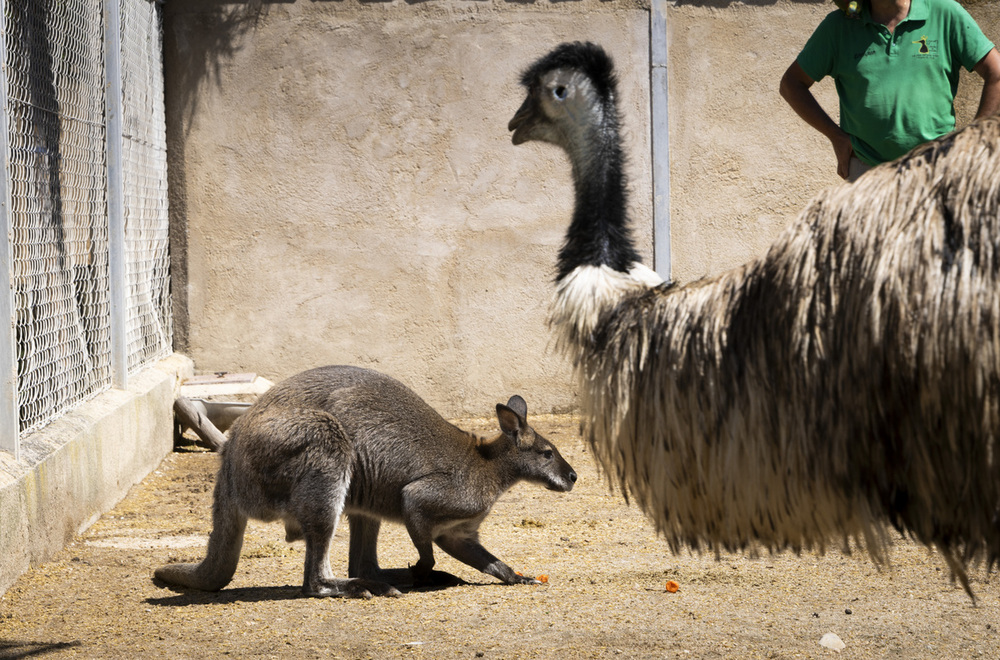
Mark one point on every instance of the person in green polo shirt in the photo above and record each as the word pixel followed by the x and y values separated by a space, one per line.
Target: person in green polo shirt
pixel 896 66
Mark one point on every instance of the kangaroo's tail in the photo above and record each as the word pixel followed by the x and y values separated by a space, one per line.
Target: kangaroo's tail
pixel 224 545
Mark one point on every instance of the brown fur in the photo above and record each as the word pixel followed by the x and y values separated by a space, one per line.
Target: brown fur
pixel 337 440
pixel 847 380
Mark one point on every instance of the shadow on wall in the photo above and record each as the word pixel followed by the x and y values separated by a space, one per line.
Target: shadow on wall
pixel 195 53
pixel 190 66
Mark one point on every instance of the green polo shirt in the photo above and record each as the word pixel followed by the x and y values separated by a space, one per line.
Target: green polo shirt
pixel 896 90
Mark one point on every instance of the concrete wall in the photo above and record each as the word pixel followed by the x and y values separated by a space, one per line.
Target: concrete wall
pixel 82 464
pixel 350 194
pixel 344 189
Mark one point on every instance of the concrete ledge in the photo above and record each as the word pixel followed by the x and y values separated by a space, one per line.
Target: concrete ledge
pixel 82 464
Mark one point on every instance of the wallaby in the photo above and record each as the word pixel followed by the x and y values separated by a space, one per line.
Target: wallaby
pixel 341 439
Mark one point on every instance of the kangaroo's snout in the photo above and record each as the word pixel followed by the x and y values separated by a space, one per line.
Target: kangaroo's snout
pixel 564 483
pixel 560 474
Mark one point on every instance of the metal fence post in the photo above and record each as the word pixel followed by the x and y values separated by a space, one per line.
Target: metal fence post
pixel 660 136
pixel 9 417
pixel 117 274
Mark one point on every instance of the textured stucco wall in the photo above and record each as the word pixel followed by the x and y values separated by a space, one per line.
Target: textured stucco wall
pixel 743 165
pixel 344 190
pixel 350 194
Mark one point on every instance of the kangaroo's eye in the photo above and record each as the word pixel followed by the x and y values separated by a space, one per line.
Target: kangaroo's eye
pixel 560 93
pixel 547 453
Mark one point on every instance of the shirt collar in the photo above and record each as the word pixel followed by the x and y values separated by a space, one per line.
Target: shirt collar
pixel 918 12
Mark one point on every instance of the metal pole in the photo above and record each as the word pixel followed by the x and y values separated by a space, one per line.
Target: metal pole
pixel 10 437
pixel 116 206
pixel 660 136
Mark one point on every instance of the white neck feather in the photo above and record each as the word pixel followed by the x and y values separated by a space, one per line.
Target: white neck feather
pixel 583 295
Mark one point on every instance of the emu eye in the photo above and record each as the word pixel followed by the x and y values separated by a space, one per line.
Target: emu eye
pixel 560 93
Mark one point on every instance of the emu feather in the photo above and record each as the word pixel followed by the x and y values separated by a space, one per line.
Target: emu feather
pixel 847 380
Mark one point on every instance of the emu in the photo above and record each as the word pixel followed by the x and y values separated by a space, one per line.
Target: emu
pixel 845 381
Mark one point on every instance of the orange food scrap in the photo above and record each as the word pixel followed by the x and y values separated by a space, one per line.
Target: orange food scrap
pixel 672 586
pixel 544 579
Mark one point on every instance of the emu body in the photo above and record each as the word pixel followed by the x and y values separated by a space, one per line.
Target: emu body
pixel 847 380
pixel 337 440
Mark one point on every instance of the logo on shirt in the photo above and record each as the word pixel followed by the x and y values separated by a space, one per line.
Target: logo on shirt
pixel 868 53
pixel 925 47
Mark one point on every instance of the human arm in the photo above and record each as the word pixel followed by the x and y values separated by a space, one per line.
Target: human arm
pixel 795 90
pixel 989 69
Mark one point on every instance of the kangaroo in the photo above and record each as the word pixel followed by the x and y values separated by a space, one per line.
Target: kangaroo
pixel 342 439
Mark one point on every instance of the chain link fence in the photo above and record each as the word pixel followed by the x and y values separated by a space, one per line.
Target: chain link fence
pixel 144 170
pixel 56 212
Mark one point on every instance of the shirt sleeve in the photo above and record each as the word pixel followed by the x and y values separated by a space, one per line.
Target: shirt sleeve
pixel 818 55
pixel 968 40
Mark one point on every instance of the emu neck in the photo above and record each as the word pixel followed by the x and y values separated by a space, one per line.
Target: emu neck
pixel 599 233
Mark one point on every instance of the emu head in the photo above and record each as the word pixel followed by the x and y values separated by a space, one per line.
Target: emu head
pixel 571 99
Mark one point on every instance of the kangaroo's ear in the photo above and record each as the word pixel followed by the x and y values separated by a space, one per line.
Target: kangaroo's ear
pixel 518 405
pixel 511 422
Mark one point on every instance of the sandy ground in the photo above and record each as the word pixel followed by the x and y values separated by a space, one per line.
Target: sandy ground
pixel 605 595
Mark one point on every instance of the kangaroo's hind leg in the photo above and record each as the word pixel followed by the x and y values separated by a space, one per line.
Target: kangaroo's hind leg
pixel 224 544
pixel 363 558
pixel 317 502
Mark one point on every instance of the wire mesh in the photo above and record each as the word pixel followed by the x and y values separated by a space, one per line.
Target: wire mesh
pixel 56 171
pixel 57 179
pixel 144 171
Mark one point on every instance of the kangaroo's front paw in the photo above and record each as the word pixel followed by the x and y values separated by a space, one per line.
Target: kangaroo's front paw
pixel 517 578
pixel 507 575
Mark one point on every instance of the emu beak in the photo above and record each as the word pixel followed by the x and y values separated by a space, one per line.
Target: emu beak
pixel 522 123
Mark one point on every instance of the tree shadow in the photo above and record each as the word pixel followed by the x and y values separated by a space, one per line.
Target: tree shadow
pixel 15 649
pixel 194 54
pixel 195 51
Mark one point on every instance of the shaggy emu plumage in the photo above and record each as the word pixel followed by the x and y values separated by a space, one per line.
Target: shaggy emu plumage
pixel 847 379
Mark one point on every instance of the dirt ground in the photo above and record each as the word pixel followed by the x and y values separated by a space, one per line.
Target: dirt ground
pixel 605 595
